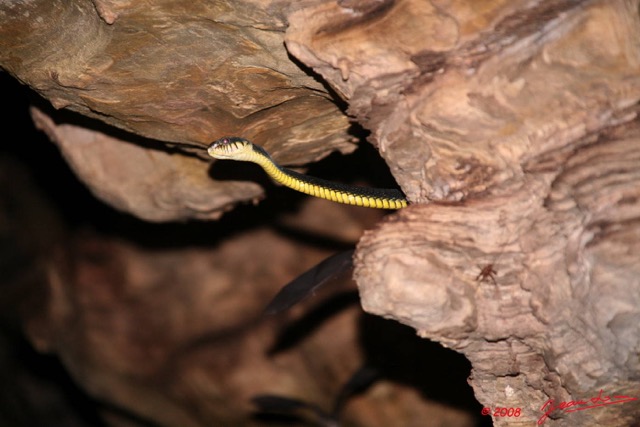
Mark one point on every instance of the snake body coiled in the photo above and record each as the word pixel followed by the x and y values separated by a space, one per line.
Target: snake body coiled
pixel 240 149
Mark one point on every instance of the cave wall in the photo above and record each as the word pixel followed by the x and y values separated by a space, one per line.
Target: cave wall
pixel 511 127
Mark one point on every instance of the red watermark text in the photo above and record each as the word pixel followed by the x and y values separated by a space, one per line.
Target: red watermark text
pixel 581 405
pixel 502 412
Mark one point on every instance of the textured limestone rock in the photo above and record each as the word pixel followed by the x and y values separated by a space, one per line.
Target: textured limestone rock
pixel 513 128
pixel 173 76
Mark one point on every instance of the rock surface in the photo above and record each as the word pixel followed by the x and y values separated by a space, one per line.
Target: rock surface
pixel 510 125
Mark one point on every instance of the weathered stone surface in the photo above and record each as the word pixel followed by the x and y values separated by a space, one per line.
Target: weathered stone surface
pixel 511 125
pixel 152 183
pixel 513 128
pixel 184 73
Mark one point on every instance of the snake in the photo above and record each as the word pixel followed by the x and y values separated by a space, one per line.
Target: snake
pixel 241 149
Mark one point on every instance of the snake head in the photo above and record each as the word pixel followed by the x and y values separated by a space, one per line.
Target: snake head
pixel 231 147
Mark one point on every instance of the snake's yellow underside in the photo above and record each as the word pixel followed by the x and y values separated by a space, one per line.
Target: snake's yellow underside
pixel 240 149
